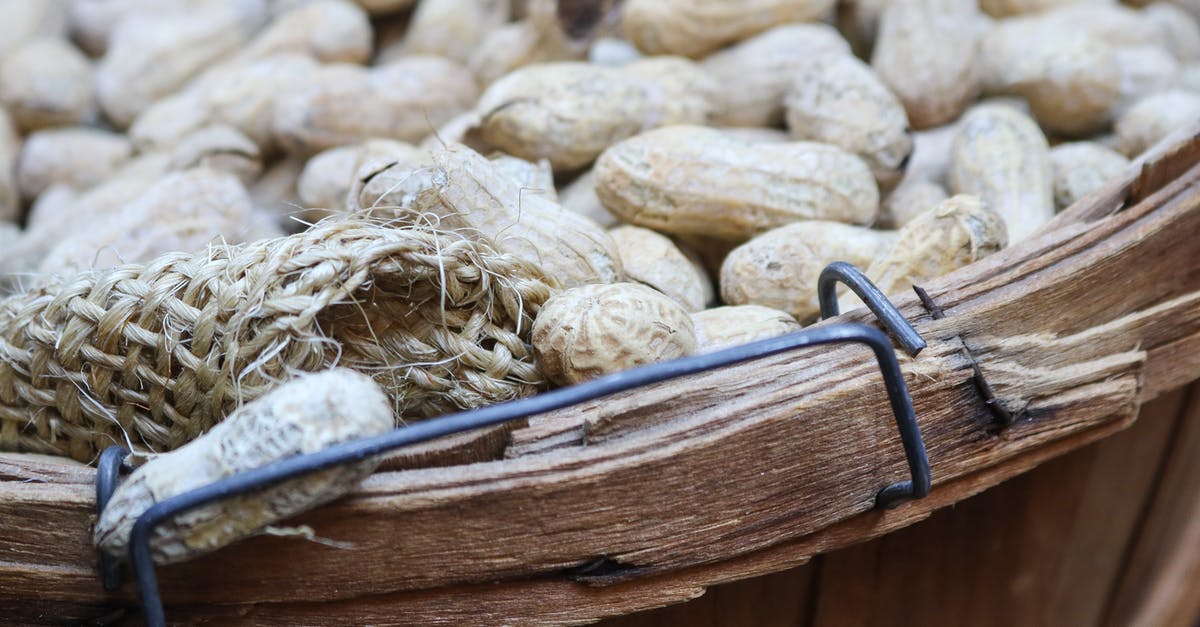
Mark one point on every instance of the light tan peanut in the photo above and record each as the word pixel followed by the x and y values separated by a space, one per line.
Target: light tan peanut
pixel 469 193
pixel 452 28
pixel 331 31
pixel 243 97
pixel 734 325
pixel 342 104
pixel 388 188
pixel 594 330
pixel 580 197
pixel 76 156
pixel 779 269
pixel 183 211
pixel 151 56
pixel 1154 117
pixel 275 192
pixel 221 148
pixel 1112 22
pixel 682 92
pixel 908 200
pixel 1001 156
pixel 958 231
pixel 569 112
pixel 324 184
pixel 930 160
pixel 654 260
pixel 25 20
pixel 694 180
pixel 838 100
pixel 10 145
pixel 534 178
pixel 1080 167
pixel 519 44
pixel 755 74
pixel 47 82
pixel 1004 8
pixel 1070 77
pixel 1145 70
pixel 304 415
pixel 91 23
pixel 1179 31
pixel 693 29
pixel 927 52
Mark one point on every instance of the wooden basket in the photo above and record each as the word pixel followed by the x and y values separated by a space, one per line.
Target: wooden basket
pixel 646 498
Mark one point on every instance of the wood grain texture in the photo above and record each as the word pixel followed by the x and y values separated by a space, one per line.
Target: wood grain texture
pixel 711 478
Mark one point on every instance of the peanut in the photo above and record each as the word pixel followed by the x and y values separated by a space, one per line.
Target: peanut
pixel 1178 31
pixel 341 104
pixel 580 197
pixel 927 52
pixel 151 56
pixel 330 31
pixel 221 148
pixel 700 181
pixel 693 29
pixel 1002 8
pixel 1081 167
pixel 569 112
pixel 452 28
pixel 909 200
pixel 593 330
pixel 325 182
pixel 519 44
pixel 779 269
pixel 183 211
pixel 10 195
pixel 25 20
pixel 1001 156
pixel 655 261
pixel 756 73
pixel 77 156
pixel 468 192
pixel 837 99
pixel 1154 117
pixel 958 231
pixel 1145 70
pixel 47 82
pixel 304 415
pixel 534 178
pixel 733 325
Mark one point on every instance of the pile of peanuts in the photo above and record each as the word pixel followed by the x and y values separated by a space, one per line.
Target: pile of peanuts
pixel 682 169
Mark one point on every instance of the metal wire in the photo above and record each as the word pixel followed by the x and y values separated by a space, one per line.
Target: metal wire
pixel 910 436
pixel 876 301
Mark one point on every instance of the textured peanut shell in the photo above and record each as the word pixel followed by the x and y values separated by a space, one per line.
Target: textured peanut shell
pixel 958 231
pixel 76 156
pixel 151 56
pixel 452 28
pixel 927 52
pixel 569 112
pixel 1081 167
pixel 328 176
pixel 534 178
pixel 654 260
pixel 221 148
pixel 1069 75
pixel 734 325
pixel 330 31
pixel 755 74
pixel 910 199
pixel 594 330
pixel 520 44
pixel 1154 117
pixel 700 181
pixel 694 28
pixel 242 96
pixel 779 269
pixel 304 415
pixel 47 82
pixel 469 193
pixel 342 104
pixel 183 211
pixel 839 100
pixel 1001 156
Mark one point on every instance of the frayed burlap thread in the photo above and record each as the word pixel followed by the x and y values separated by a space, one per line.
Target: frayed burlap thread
pixel 151 355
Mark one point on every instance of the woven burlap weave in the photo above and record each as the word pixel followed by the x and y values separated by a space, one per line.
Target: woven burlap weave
pixel 151 355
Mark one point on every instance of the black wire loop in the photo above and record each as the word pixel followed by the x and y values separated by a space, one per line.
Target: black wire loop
pixel 108 474
pixel 875 300
pixel 140 552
